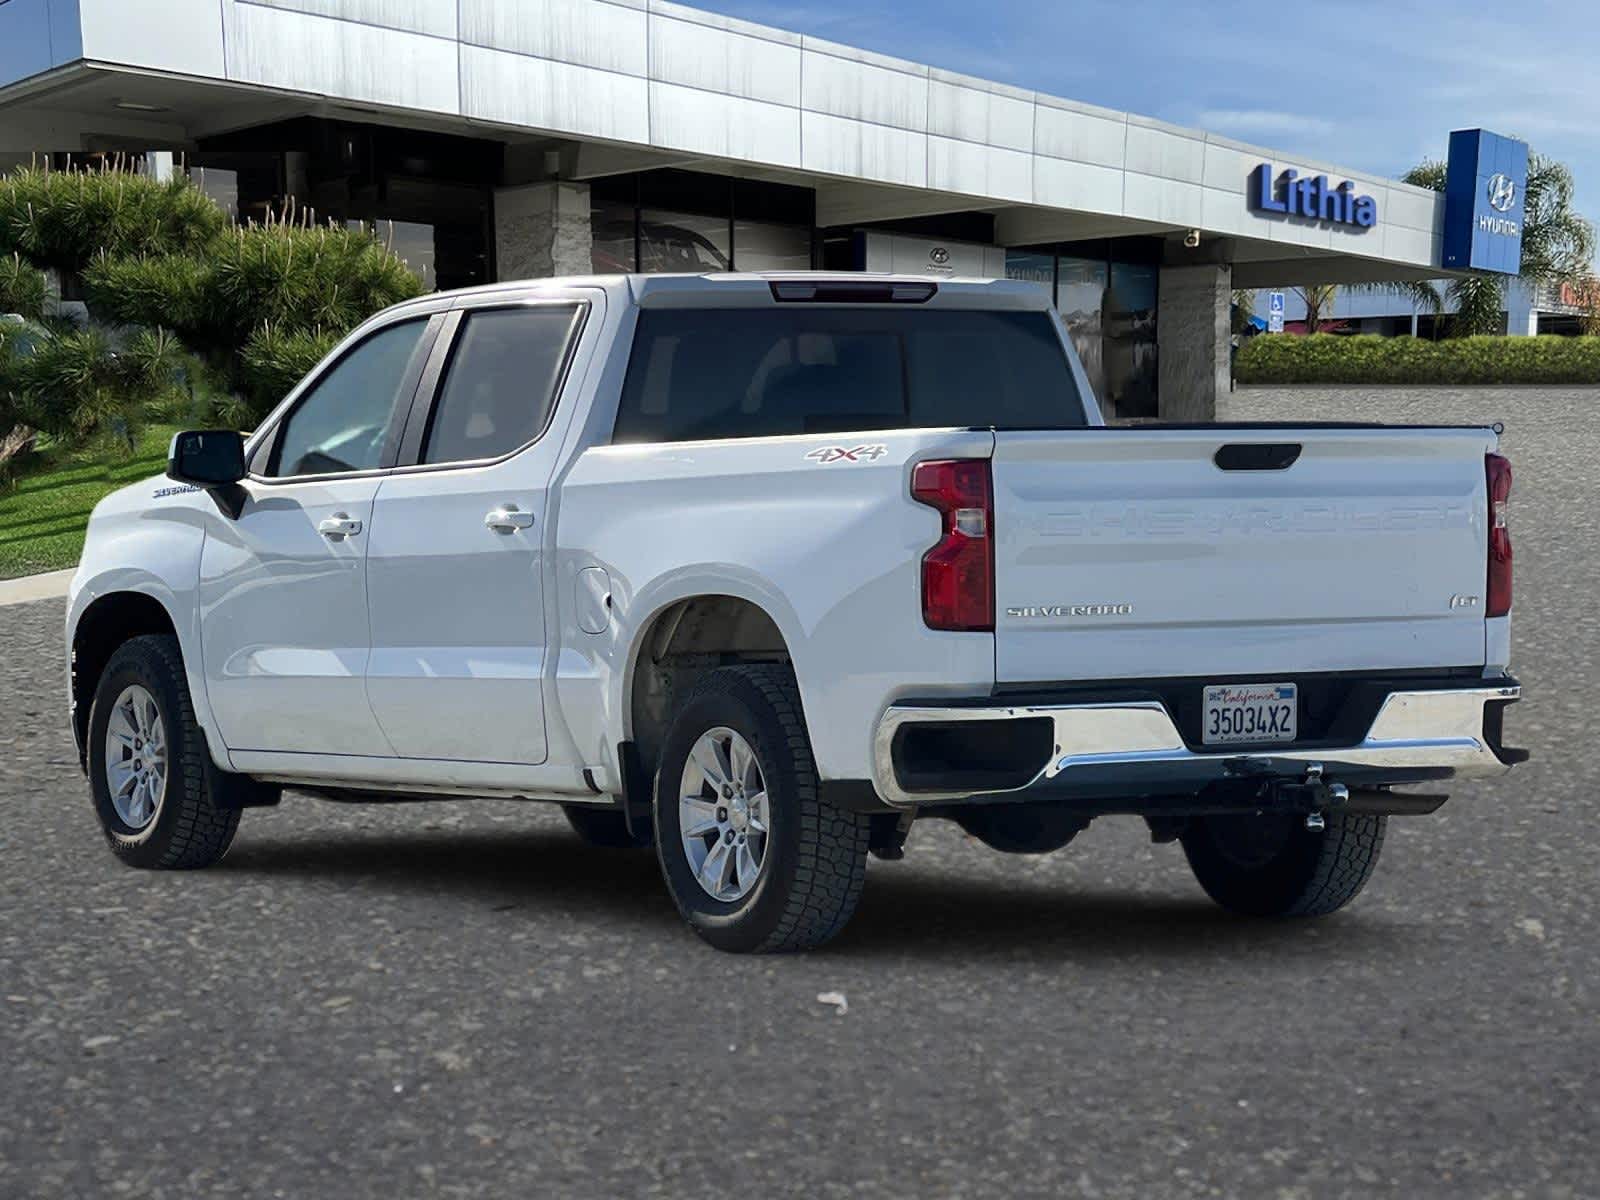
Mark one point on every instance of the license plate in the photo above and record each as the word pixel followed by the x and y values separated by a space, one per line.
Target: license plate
pixel 1251 712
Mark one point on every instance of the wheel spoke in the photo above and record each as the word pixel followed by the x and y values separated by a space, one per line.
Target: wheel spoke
pixel 708 757
pixel 758 812
pixel 740 760
pixel 123 720
pixel 748 866
pixel 696 816
pixel 714 870
pixel 121 778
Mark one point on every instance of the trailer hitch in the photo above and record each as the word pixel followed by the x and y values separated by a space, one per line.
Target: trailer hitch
pixel 1312 795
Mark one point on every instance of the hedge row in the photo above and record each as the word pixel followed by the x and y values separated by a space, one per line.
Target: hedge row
pixel 1329 358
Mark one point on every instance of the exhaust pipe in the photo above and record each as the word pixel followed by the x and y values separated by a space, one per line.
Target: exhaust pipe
pixel 1378 803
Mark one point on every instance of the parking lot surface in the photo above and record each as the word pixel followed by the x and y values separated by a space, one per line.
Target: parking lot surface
pixel 460 999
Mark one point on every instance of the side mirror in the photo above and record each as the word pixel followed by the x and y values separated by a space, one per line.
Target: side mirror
pixel 212 459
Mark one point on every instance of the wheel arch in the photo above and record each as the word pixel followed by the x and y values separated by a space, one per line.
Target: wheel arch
pixel 104 622
pixel 679 641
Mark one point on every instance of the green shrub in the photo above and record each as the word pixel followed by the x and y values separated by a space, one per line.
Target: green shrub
pixel 273 361
pixel 22 288
pixel 75 385
pixel 65 219
pixel 1329 358
pixel 239 305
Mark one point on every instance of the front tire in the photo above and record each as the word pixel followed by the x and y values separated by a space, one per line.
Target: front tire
pixel 755 858
pixel 1271 865
pixel 154 786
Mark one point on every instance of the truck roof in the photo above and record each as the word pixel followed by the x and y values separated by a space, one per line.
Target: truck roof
pixel 742 289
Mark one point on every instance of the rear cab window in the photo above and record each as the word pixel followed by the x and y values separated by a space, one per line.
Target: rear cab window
pixel 699 374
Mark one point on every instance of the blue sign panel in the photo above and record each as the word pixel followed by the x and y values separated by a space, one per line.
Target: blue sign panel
pixel 1483 202
pixel 1311 198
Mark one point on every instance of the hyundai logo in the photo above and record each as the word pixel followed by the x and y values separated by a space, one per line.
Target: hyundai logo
pixel 1502 193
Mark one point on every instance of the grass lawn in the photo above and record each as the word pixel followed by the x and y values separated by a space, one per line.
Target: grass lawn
pixel 43 516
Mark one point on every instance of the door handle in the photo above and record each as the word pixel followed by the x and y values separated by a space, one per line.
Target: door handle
pixel 340 525
pixel 507 518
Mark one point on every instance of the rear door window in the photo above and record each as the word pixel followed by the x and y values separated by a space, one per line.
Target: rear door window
pixel 699 374
pixel 501 381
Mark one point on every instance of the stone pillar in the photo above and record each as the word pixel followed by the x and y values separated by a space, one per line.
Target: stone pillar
pixel 542 229
pixel 1192 331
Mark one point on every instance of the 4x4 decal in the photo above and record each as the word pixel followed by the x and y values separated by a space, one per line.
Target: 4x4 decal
pixel 835 454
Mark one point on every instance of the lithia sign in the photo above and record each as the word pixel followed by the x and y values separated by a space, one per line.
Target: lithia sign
pixel 1311 198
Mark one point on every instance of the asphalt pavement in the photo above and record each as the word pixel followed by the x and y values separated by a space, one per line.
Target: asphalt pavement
pixel 459 999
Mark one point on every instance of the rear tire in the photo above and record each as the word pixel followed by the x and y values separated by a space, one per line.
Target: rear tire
pixel 1271 865
pixel 603 827
pixel 799 862
pixel 189 819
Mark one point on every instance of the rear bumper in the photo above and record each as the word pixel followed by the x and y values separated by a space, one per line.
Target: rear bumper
pixel 1133 748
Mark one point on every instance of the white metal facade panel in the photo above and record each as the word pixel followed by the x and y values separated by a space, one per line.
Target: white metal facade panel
pixel 980 116
pixel 716 60
pixel 1079 137
pixel 414 16
pixel 513 89
pixel 328 57
pixel 838 146
pixel 724 126
pixel 587 33
pixel 863 92
pixel 978 170
pixel 187 38
pixel 1165 154
pixel 1079 186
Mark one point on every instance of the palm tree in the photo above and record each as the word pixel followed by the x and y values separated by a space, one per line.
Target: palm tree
pixel 1318 299
pixel 1558 246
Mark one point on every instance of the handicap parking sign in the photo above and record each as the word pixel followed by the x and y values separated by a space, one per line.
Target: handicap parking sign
pixel 1274 312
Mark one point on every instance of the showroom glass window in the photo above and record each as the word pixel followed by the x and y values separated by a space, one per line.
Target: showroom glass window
pixel 762 246
pixel 1080 298
pixel 1130 339
pixel 683 242
pixel 682 221
pixel 1031 267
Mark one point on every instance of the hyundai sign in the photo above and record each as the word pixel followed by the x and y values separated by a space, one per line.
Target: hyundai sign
pixel 1311 198
pixel 1483 202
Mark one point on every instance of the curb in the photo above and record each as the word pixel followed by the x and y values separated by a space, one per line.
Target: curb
pixel 52 585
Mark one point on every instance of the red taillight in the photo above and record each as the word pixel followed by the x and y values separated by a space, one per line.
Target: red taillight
pixel 958 573
pixel 1499 473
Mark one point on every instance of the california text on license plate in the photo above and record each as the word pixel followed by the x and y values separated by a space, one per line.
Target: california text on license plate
pixel 1251 712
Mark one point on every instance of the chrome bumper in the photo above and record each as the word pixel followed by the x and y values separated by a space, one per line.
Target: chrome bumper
pixel 1435 734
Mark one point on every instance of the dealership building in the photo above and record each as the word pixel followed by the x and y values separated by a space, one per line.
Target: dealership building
pixel 1531 310
pixel 499 139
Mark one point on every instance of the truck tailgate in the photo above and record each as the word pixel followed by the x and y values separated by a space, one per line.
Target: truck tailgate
pixel 1124 553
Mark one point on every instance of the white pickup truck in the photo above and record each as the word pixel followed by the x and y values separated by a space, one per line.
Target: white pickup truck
pixel 760 568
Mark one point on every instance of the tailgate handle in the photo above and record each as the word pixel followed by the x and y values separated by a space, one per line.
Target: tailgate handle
pixel 1257 456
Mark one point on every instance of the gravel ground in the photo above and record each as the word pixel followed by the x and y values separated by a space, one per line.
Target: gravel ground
pixel 460 1000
